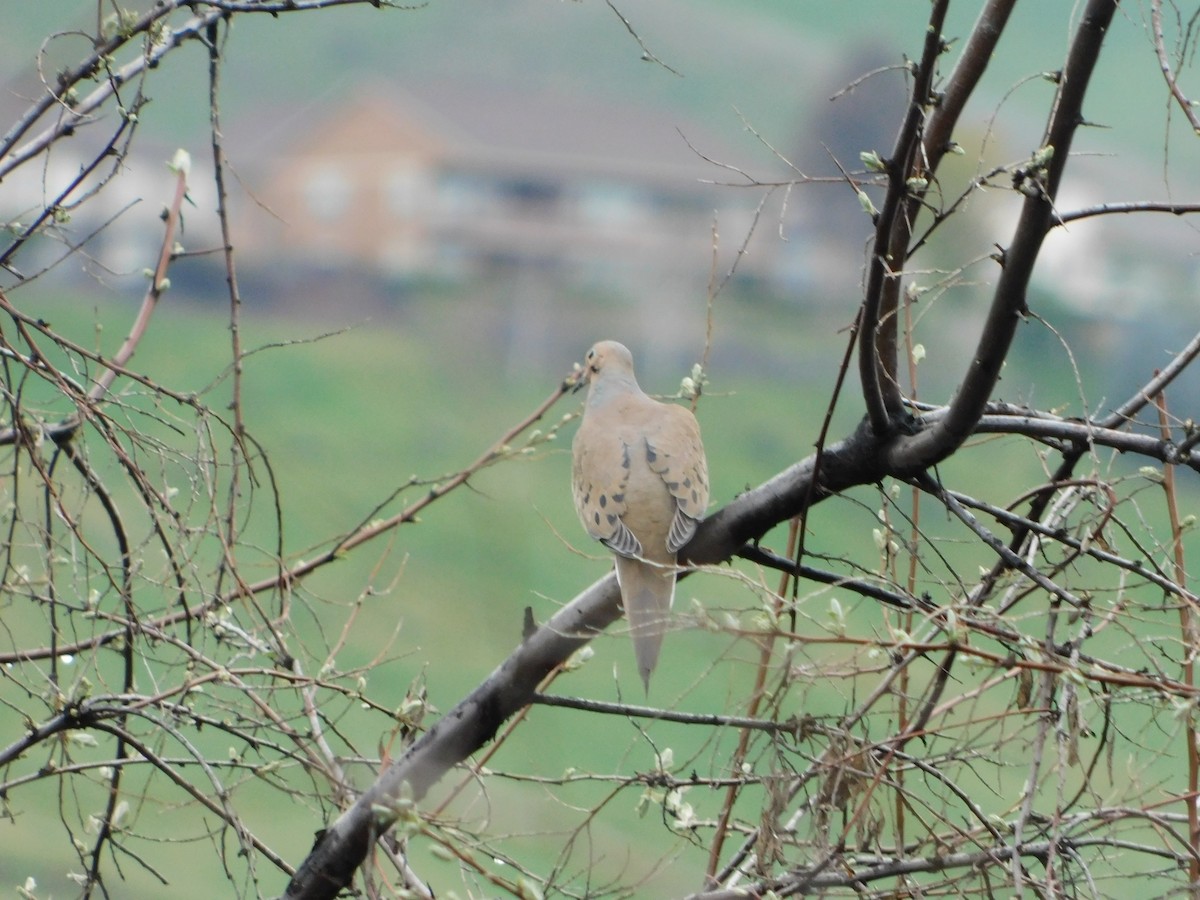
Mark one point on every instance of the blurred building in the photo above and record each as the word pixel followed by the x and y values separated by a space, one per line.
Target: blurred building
pixel 459 181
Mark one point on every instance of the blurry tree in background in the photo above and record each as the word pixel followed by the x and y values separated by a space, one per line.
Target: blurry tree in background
pixel 1016 680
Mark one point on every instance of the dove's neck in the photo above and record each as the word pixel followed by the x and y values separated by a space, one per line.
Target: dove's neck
pixel 612 386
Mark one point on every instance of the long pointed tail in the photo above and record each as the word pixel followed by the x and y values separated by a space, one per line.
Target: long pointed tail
pixel 646 592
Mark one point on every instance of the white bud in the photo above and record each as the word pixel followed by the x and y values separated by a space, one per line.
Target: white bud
pixel 181 162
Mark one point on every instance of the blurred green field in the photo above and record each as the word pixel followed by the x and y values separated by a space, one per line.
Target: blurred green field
pixel 345 421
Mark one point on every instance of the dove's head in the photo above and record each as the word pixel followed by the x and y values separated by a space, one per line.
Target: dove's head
pixel 609 362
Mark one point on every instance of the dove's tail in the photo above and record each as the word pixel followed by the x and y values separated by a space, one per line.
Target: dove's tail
pixel 646 593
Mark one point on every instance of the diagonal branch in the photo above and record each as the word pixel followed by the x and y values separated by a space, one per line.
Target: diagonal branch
pixel 856 460
pixel 342 847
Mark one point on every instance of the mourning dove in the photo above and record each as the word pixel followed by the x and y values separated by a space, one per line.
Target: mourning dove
pixel 641 487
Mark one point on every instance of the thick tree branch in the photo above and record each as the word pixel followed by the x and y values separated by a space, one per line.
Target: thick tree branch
pixel 1042 178
pixel 973 62
pixel 877 354
pixel 919 150
pixel 1087 435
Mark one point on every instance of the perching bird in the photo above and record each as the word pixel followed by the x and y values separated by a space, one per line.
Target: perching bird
pixel 640 481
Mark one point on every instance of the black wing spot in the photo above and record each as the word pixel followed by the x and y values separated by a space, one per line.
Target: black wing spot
pixel 603 500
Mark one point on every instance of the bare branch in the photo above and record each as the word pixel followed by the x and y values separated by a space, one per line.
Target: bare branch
pixel 1188 107
pixel 1138 206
